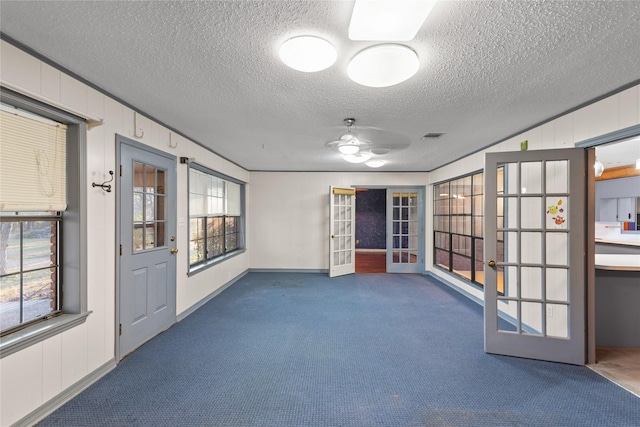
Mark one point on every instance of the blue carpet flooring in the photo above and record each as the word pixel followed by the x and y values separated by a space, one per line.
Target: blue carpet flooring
pixel 361 350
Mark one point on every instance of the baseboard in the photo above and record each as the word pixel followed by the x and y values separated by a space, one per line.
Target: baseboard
pixel 287 270
pixel 455 288
pixel 49 407
pixel 209 297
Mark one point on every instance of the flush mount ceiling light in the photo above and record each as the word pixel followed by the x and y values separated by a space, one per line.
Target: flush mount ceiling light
pixel 357 158
pixel 383 65
pixel 375 163
pixel 390 20
pixel 308 54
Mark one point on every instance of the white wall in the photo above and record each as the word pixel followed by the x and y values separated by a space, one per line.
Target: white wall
pixel 31 377
pixel 289 216
pixel 615 112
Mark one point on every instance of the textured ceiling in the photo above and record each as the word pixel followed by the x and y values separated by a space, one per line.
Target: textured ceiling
pixel 210 69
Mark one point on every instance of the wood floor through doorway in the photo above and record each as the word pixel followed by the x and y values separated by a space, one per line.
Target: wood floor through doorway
pixel 371 261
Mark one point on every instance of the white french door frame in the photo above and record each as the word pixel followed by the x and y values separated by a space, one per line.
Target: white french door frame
pixel 519 254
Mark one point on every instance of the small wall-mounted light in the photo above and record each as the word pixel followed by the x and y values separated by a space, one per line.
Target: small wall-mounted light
pixel 186 160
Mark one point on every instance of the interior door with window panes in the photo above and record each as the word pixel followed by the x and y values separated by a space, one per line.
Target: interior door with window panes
pixel 536 245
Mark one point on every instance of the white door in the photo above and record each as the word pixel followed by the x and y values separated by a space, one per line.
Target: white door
pixel 405 230
pixel 342 230
pixel 536 241
pixel 147 284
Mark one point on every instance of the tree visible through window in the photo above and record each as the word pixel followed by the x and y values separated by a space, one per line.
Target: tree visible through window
pixel 215 216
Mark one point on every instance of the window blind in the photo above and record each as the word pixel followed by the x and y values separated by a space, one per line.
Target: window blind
pixel 32 162
pixel 210 195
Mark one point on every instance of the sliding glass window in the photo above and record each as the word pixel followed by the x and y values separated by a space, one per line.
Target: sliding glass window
pixel 458 212
pixel 215 216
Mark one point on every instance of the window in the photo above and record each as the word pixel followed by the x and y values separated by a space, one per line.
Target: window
pixel 42 222
pixel 458 212
pixel 215 216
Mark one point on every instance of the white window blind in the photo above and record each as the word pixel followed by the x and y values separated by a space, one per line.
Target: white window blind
pixel 233 199
pixel 210 195
pixel 32 162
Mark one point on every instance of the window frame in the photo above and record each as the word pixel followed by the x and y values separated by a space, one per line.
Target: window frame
pixel 443 240
pixel 239 226
pixel 73 239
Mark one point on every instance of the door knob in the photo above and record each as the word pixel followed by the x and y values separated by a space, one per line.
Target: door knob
pixel 173 250
pixel 491 263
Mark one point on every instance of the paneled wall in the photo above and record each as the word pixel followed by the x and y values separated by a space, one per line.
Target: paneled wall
pixel 613 113
pixel 31 377
pixel 289 216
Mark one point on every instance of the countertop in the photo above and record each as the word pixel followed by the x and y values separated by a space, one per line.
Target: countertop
pixel 619 262
pixel 617 242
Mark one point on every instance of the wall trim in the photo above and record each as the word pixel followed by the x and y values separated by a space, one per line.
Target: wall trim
pixel 454 287
pixel 289 270
pixel 65 396
pixel 550 119
pixel 209 297
pixel 614 136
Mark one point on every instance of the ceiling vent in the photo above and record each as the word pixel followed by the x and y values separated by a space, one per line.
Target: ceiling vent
pixel 433 135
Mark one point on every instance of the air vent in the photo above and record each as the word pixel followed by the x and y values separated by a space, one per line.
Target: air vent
pixel 432 135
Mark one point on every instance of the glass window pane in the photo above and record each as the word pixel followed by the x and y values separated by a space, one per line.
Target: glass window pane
pixel 557 213
pixel 149 208
pixel 442 258
pixel 138 238
pixel 138 206
pixel 531 248
pixel 531 212
pixel 508 281
pixel 138 177
pixel 508 179
pixel 558 320
pixel 531 177
pixel 531 318
pixel 462 266
pixel 161 237
pixel 557 176
pixel 38 250
pixel 557 284
pixel 161 210
pixel 160 184
pixel 531 282
pixel 557 248
pixel 150 179
pixel 507 316
pixel 149 236
pixel 37 293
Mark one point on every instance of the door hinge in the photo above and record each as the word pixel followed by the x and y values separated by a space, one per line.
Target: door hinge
pixel 120 329
pixel 120 170
pixel 120 250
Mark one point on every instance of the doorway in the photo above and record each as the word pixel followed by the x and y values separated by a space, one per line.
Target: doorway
pixel 371 230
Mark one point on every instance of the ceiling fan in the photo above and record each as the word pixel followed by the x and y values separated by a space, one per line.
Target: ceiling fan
pixel 358 147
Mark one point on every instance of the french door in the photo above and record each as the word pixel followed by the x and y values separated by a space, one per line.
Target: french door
pixel 536 241
pixel 405 230
pixel 342 239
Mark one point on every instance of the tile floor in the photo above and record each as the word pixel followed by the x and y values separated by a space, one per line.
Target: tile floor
pixel 620 365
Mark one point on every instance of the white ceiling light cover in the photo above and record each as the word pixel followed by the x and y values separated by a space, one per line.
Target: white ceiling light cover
pixel 357 158
pixel 349 144
pixel 375 163
pixel 391 20
pixel 383 65
pixel 308 54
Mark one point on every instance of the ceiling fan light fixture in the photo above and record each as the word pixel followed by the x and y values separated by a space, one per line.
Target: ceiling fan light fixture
pixel 357 158
pixel 599 167
pixel 348 148
pixel 389 20
pixel 375 163
pixel 383 65
pixel 308 54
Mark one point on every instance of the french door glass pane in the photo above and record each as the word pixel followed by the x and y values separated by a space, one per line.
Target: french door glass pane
pixel 557 176
pixel 531 212
pixel 531 317
pixel 531 282
pixel 531 176
pixel 557 284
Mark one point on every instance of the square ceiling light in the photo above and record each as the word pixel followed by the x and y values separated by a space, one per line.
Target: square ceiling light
pixel 388 20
